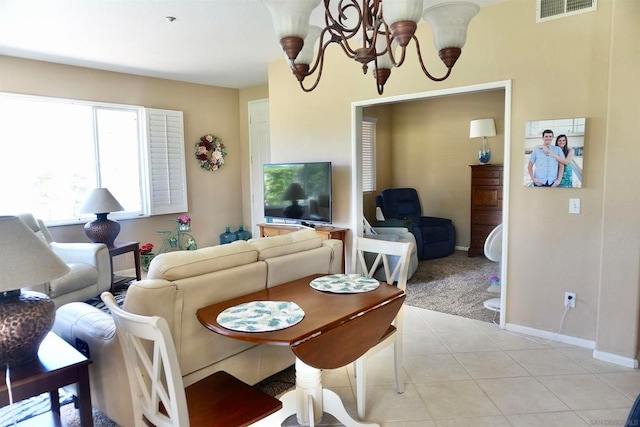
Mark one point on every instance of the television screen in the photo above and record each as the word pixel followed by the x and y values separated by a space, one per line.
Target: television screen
pixel 298 191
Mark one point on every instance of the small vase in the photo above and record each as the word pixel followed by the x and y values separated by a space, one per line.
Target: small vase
pixel 184 226
pixel 145 260
pixel 228 236
pixel 243 234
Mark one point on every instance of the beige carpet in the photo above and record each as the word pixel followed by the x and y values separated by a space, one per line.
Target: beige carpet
pixel 455 284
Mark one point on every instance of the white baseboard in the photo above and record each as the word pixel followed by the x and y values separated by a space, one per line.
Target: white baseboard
pixel 566 339
pixel 627 362
pixel 462 248
pixel 616 359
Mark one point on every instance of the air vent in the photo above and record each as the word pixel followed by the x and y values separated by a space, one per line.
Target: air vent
pixel 554 9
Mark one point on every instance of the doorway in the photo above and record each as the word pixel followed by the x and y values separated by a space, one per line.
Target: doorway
pixel 357 199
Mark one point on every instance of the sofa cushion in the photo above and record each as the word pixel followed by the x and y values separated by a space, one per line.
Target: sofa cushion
pixel 80 276
pixel 298 241
pixel 182 264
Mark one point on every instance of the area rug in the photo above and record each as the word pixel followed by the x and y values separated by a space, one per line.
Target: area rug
pixel 455 284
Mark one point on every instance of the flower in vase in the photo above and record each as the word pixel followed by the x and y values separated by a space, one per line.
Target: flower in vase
pixel 184 219
pixel 146 249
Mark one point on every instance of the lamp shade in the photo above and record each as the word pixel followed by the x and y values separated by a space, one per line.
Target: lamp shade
pixel 306 54
pixel 481 128
pixel 25 260
pixel 291 17
pixel 100 200
pixel 449 22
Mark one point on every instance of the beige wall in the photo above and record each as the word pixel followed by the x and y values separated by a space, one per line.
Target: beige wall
pixel 561 68
pixel 215 198
pixel 429 149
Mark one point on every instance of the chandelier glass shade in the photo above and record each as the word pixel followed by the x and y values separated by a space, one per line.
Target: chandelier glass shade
pixel 374 33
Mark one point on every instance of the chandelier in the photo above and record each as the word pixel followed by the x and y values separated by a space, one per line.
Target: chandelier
pixel 372 32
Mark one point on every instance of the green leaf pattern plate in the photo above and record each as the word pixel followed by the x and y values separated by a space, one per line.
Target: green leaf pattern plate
pixel 261 316
pixel 345 283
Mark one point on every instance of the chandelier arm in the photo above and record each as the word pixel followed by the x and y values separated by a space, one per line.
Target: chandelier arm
pixel 338 28
pixel 320 57
pixel 319 65
pixel 424 69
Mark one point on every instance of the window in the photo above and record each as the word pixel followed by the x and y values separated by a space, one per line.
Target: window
pixel 54 151
pixel 368 154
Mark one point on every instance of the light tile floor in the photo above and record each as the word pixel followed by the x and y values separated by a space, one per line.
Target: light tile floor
pixel 460 371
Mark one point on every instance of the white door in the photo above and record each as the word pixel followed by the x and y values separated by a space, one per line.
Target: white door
pixel 259 154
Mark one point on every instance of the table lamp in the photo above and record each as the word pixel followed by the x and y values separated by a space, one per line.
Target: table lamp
pixel 483 128
pixel 25 317
pixel 102 229
pixel 294 193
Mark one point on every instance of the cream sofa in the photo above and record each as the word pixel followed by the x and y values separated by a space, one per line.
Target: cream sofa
pixel 177 284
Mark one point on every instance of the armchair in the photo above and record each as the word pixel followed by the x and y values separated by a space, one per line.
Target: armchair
pixel 89 264
pixel 435 237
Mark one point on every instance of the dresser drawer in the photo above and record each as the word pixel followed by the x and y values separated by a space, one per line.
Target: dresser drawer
pixel 484 172
pixel 486 218
pixel 486 181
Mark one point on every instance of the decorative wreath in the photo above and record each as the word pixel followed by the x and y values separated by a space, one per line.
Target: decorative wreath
pixel 210 152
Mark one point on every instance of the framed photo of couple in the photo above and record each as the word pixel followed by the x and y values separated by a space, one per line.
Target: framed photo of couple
pixel 554 153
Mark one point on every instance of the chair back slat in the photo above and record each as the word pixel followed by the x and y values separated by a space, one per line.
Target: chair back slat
pixel 156 380
pixel 383 250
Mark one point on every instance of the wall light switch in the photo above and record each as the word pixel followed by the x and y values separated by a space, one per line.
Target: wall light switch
pixel 574 206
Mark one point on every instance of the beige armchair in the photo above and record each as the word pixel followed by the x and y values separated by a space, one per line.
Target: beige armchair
pixel 89 264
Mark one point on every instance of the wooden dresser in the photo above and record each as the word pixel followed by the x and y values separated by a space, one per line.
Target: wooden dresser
pixel 486 204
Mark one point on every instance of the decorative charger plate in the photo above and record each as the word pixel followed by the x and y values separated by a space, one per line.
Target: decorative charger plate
pixel 345 283
pixel 261 316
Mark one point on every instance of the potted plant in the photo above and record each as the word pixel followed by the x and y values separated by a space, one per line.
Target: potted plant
pixel 146 255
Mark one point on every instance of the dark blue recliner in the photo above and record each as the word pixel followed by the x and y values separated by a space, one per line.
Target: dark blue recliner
pixel 435 237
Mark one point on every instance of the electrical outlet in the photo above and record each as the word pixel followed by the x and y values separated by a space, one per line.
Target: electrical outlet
pixel 570 299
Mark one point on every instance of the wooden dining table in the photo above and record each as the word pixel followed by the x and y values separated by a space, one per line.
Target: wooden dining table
pixel 337 329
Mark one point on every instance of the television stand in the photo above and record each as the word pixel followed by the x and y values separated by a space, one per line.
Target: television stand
pixel 325 231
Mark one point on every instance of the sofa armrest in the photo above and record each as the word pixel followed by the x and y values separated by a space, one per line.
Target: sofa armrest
pixel 393 222
pixel 390 230
pixel 95 254
pixel 93 333
pixel 427 221
pixel 81 253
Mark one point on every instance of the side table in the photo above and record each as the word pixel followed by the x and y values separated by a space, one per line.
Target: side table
pixel 58 364
pixel 122 248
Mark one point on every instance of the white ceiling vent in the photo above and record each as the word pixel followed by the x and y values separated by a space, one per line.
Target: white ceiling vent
pixel 554 9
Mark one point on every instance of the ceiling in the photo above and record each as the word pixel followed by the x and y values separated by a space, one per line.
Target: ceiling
pixel 225 43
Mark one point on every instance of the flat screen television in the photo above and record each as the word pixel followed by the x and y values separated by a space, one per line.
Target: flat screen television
pixel 297 192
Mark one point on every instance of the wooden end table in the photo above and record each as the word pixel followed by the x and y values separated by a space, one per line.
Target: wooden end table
pixel 123 248
pixel 58 364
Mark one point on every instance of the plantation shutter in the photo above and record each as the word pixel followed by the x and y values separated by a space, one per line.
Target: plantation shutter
pixel 167 170
pixel 368 154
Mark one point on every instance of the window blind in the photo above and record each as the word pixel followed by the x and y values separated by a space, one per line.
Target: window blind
pixel 368 154
pixel 167 171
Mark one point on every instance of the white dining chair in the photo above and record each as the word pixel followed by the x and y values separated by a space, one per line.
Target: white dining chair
pixel 369 255
pixel 157 390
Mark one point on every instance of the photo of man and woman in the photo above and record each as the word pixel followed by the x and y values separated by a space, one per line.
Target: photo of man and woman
pixel 553 153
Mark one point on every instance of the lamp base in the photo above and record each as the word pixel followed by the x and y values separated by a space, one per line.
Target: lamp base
pixel 102 230
pixel 25 319
pixel 484 157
